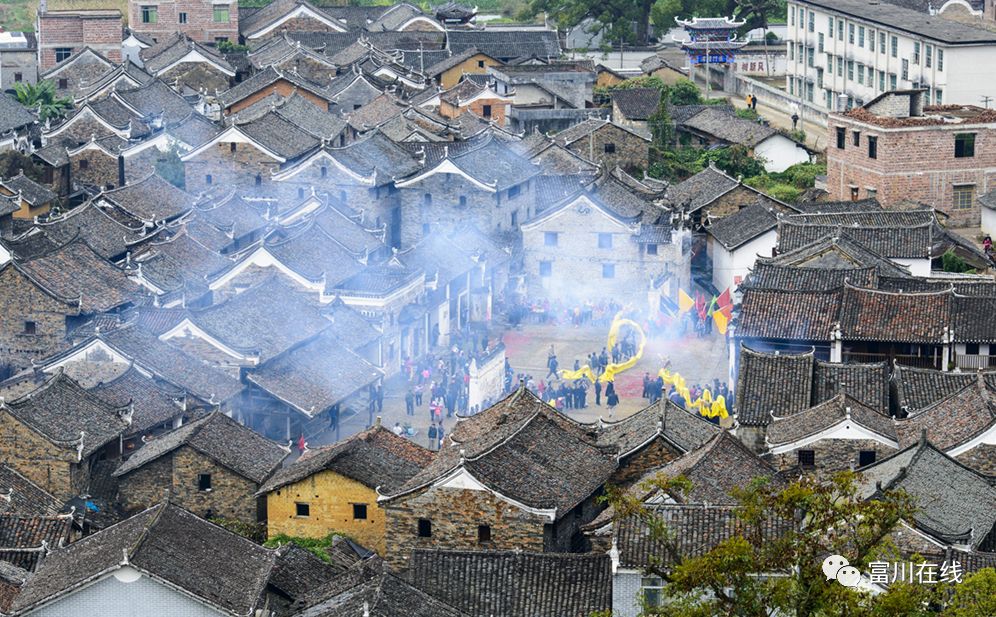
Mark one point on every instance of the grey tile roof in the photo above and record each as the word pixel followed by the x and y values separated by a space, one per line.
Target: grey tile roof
pixel 952 421
pixel 793 427
pixel 313 254
pixel 377 593
pixel 479 583
pixel 24 539
pixel 839 251
pixel 314 376
pixel 265 78
pixel 13 115
pixel 151 199
pixel 743 226
pixel 496 164
pixel 180 262
pixel 267 319
pixel 981 286
pixel 60 409
pixel 715 469
pixel 973 318
pixel 506 45
pixel 834 207
pixel 866 383
pixel 376 458
pixel 25 497
pixel 156 97
pixel 915 389
pixel 954 503
pixel 769 382
pixel 699 529
pixel 909 21
pixel 77 273
pixel 894 242
pixel 29 190
pixel 220 438
pixel 685 430
pixel 396 16
pixel 204 560
pixel 297 572
pixel 637 103
pixel 106 235
pixel 791 278
pixel 272 12
pixel 174 48
pixel 788 315
pixel 279 135
pixel 451 60
pixel 883 316
pixel 378 279
pixel 173 365
pixel 228 213
pixel 152 404
pixel 701 189
pixel 728 127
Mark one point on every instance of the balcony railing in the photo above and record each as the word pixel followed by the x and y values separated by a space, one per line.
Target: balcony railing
pixel 904 359
pixel 975 361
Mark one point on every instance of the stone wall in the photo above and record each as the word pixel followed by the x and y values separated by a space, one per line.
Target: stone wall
pixel 330 498
pixel 455 515
pixel 652 456
pixel 630 150
pixel 228 168
pixel 36 458
pixel 94 166
pixel 912 163
pixel 231 495
pixel 200 25
pixel 21 301
pixel 832 455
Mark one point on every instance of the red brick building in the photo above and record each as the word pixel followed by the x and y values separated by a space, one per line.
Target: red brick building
pixel 896 149
pixel 64 33
pixel 204 21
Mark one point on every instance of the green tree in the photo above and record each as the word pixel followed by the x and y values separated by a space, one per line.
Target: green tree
pixel 735 161
pixel 13 162
pixel 664 12
pixel 612 18
pixel 170 168
pixel 817 519
pixel 975 596
pixel 952 263
pixel 42 96
pixel 685 92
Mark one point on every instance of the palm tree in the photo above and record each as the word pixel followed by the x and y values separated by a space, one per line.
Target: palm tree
pixel 43 97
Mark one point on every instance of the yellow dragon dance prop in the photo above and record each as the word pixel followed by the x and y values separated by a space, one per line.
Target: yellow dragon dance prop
pixel 705 405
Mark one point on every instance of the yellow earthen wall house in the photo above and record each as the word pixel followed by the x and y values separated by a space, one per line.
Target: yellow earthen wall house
pixel 475 65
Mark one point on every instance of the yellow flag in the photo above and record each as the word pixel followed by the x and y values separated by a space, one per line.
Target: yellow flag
pixel 721 321
pixel 685 302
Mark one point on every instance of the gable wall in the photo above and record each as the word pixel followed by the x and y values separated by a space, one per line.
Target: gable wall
pixel 330 497
pixel 453 75
pixel 228 168
pixel 832 455
pixel 631 151
pixel 36 458
pixel 101 168
pixel 281 87
pixel 21 301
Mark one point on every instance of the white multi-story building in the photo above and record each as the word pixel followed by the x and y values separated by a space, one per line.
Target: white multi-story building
pixel 842 53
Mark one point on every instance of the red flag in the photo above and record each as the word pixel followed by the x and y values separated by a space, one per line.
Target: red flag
pixel 727 311
pixel 724 299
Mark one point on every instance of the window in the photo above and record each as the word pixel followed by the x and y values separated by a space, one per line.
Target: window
pixel 820 43
pixel 809 91
pixel 302 510
pixel 938 97
pixel 881 80
pixel 871 40
pixel 424 528
pixel 515 218
pixel 866 457
pixel 810 57
pixel 895 47
pixel 259 180
pixel 972 349
pixel 63 83
pixel 550 238
pixel 63 53
pixel 906 68
pixel 150 14
pixel 964 196
pixel 840 66
pixel 359 511
pixel 872 147
pixel 940 59
pixel 609 148
pixel 881 42
pixel 463 201
pixel 84 164
pixel 807 458
pixel 841 137
pixel 928 55
pixel 300 192
pixel 964 145
pixel 233 147
pixel 221 15
pixel 18 77
pixel 604 241
pixel 850 33
pixel 850 70
pixel 840 29
pixel 861 73
pixel 892 81
pixel 651 588
pixel 792 15
pixel 204 481
pixel 427 199
pixel 183 17
pixel 856 138
pixel 30 327
pixel 208 179
pixel 513 192
pixel 483 533
pixel 324 171
pixel 426 229
pixel 916 52
pixel 480 64
pixel 486 109
pixel 812 21
pixel 861 36
pixel 608 271
pixel 871 192
pixel 854 193
pixel 545 268
pixel 830 25
pixel 651 249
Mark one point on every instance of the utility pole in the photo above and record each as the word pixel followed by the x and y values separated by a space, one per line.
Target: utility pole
pixel 986 100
